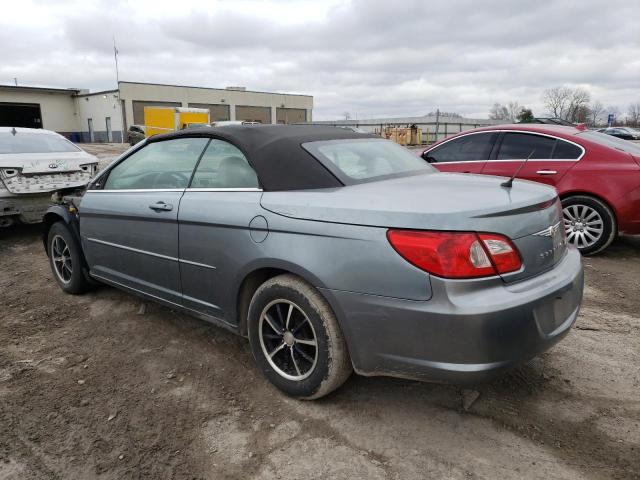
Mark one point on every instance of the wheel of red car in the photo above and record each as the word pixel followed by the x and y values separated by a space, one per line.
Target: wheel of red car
pixel 295 338
pixel 590 223
pixel 65 259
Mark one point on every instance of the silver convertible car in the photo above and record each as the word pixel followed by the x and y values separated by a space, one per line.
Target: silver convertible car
pixel 330 250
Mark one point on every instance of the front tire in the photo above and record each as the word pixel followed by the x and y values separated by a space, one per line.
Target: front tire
pixel 65 258
pixel 589 223
pixel 295 338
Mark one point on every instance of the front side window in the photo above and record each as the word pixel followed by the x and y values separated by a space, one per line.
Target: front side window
pixel 28 142
pixel 159 165
pixel 358 160
pixel 468 148
pixel 516 146
pixel 224 166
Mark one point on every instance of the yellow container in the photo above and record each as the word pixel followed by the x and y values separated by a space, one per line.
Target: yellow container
pixel 159 120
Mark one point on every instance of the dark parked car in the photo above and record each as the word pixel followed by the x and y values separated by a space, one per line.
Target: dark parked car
pixel 135 134
pixel 597 176
pixel 622 132
pixel 331 250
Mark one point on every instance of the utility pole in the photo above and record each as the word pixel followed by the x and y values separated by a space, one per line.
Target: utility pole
pixel 15 79
pixel 120 107
pixel 437 123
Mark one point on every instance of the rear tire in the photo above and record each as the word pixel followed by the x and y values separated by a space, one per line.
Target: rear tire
pixel 589 223
pixel 65 258
pixel 295 338
pixel 6 221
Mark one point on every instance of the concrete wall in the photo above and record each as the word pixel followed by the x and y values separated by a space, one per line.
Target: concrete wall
pixel 98 107
pixel 190 95
pixel 58 108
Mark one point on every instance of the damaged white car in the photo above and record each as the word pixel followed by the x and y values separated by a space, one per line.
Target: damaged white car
pixel 33 164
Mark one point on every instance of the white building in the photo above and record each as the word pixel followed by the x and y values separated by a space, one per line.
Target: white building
pixel 103 116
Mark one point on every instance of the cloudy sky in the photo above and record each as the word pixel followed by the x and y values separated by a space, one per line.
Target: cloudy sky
pixel 367 57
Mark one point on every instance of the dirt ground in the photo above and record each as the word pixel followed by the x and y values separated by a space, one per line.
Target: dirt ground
pixel 95 386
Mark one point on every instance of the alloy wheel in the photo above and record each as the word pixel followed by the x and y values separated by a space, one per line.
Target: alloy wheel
pixel 583 224
pixel 288 340
pixel 61 256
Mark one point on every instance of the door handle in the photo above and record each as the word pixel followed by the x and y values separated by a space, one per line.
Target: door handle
pixel 161 207
pixel 546 172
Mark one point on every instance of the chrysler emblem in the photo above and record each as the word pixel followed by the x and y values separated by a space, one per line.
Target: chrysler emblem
pixel 549 231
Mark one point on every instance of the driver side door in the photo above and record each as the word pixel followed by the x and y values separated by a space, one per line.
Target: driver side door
pixel 129 218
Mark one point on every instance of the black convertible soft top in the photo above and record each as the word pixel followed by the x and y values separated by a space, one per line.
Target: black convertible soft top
pixel 275 152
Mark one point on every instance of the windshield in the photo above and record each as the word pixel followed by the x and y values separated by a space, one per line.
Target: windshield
pixel 611 141
pixel 28 142
pixel 359 160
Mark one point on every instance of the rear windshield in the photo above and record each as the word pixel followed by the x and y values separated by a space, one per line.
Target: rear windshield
pixel 23 142
pixel 611 141
pixel 361 160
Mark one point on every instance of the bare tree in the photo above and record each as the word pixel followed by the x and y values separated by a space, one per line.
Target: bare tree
pixel 633 114
pixel 347 115
pixel 567 103
pixel 556 101
pixel 514 110
pixel 578 106
pixel 499 112
pixel 595 113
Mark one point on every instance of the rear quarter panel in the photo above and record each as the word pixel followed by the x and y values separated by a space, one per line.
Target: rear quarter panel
pixel 344 257
pixel 609 175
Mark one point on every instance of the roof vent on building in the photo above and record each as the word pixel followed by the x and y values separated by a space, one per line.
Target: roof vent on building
pixel 237 89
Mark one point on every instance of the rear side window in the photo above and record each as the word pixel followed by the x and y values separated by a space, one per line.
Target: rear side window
pixel 611 142
pixel 367 159
pixel 463 149
pixel 224 166
pixel 566 151
pixel 28 142
pixel 159 165
pixel 516 146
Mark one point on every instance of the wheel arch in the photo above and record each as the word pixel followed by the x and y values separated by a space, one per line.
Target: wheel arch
pixel 255 275
pixel 584 193
pixel 58 213
pixel 61 213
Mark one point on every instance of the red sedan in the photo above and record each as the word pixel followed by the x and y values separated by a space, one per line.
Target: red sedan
pixel 597 176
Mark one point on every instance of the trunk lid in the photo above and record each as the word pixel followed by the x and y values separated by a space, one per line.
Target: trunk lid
pixel 29 173
pixel 442 201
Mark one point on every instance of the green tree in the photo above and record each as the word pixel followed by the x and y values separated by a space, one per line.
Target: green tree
pixel 525 115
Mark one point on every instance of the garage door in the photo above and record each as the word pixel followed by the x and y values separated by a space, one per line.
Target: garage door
pixel 253 114
pixel 217 112
pixel 25 115
pixel 138 109
pixel 291 115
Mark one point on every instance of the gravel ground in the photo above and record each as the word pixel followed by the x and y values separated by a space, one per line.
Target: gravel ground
pixel 104 386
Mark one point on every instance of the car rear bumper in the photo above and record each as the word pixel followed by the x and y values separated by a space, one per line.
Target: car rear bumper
pixel 468 332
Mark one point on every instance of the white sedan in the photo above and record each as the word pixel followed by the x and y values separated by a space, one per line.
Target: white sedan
pixel 33 164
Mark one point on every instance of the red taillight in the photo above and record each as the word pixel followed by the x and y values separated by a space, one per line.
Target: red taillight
pixel 456 254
